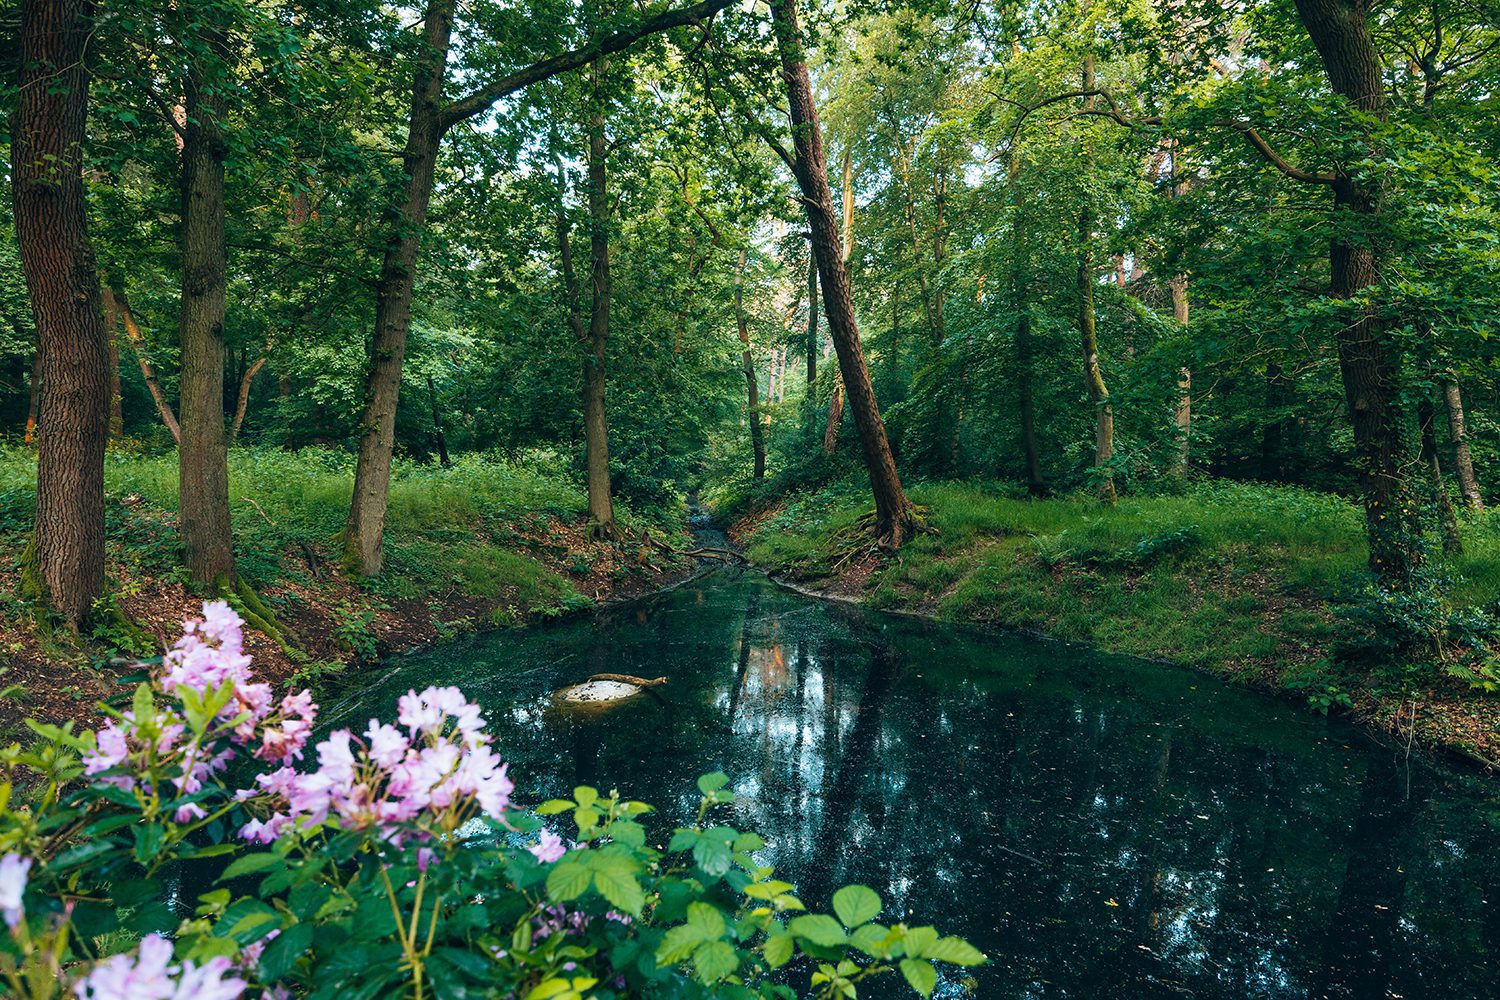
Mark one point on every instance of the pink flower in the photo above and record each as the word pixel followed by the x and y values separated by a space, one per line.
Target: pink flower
pixel 548 848
pixel 14 873
pixel 150 975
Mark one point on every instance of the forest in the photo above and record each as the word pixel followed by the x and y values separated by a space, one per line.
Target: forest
pixel 1162 327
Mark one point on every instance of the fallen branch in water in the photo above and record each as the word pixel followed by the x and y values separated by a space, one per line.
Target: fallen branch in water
pixel 629 679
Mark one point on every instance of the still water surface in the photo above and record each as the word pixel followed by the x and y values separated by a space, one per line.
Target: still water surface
pixel 1100 826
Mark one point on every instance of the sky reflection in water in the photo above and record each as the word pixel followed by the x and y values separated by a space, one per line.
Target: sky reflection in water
pixel 1100 826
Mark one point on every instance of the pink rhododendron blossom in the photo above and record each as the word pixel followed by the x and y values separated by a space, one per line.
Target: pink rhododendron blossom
pixel 548 848
pixel 14 872
pixel 150 975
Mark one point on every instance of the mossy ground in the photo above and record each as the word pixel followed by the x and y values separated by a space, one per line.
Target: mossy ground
pixel 1243 580
pixel 480 545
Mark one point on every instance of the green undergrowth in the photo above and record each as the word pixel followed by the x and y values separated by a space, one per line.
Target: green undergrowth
pixel 1248 580
pixel 493 537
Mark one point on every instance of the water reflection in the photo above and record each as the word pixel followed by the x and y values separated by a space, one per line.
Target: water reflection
pixel 1101 827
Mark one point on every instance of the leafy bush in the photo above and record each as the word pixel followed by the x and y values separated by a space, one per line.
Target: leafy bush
pixel 398 865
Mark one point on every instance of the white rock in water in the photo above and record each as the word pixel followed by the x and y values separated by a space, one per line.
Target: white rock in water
pixel 590 691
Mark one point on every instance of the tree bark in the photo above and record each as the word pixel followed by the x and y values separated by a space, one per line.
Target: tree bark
pixel 119 305
pixel 752 382
pixel 1367 358
pixel 894 517
pixel 202 458
pixel 62 282
pixel 116 402
pixel 1447 516
pixel 595 423
pixel 34 398
pixel 364 535
pixel 1104 417
pixel 1458 435
pixel 1036 484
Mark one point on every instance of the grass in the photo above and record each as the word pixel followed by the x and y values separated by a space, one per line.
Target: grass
pixel 1249 581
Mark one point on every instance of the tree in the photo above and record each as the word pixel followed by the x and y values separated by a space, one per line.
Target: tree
pixel 895 519
pixel 63 284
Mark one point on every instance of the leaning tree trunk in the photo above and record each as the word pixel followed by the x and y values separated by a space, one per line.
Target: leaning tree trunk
pixel 752 383
pixel 595 424
pixel 242 398
pixel 811 404
pixel 1447 516
pixel 62 281
pixel 894 517
pixel 202 463
pixel 119 306
pixel 364 535
pixel 1368 360
pixel 1104 416
pixel 1458 435
pixel 1184 413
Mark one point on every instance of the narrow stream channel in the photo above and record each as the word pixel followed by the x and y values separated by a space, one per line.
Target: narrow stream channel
pixel 1100 826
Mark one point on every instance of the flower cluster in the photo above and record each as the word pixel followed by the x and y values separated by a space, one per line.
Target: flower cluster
pixel 209 661
pixel 14 874
pixel 150 975
pixel 435 769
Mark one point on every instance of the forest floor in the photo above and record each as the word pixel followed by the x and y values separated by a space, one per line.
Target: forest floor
pixel 480 545
pixel 1261 585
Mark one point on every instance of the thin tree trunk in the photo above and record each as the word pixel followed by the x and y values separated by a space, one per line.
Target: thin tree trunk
pixel 437 424
pixel 1458 435
pixel 1447 517
pixel 812 320
pixel 364 535
pixel 595 425
pixel 62 281
pixel 119 305
pixel 116 402
pixel 1367 357
pixel 1184 414
pixel 242 401
pixel 1093 376
pixel 1036 484
pixel 894 517
pixel 752 383
pixel 202 463
pixel 34 398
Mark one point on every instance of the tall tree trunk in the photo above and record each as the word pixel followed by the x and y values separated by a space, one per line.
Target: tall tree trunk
pixel 812 321
pixel 116 402
pixel 242 399
pixel 1036 484
pixel 119 305
pixel 1367 358
pixel 894 517
pixel 364 535
pixel 1458 435
pixel 595 425
pixel 202 463
pixel 62 282
pixel 752 382
pixel 1447 517
pixel 1184 414
pixel 34 398
pixel 836 399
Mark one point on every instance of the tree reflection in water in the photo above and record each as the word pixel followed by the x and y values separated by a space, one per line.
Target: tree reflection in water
pixel 1100 826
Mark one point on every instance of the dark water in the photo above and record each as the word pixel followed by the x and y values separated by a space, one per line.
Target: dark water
pixel 1100 826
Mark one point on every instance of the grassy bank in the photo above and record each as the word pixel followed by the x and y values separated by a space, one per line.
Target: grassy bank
pixel 483 544
pixel 1263 585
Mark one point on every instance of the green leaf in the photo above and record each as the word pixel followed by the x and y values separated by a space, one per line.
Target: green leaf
pixel 714 960
pixel 921 976
pixel 567 881
pixel 678 944
pixel 585 796
pixel 779 949
pixel 872 939
pixel 622 891
pixel 955 950
pixel 249 864
pixel 819 928
pixel 280 955
pixel 917 940
pixel 148 839
pixel 553 807
pixel 856 904
pixel 713 856
pixel 710 783
pixel 707 920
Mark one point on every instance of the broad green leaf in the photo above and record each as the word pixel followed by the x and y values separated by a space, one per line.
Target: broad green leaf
pixel 920 975
pixel 855 905
pixel 567 881
pixel 779 949
pixel 678 944
pixel 249 864
pixel 622 891
pixel 713 960
pixel 710 783
pixel 819 928
pixel 708 921
pixel 917 940
pixel 553 807
pixel 585 796
pixel 955 950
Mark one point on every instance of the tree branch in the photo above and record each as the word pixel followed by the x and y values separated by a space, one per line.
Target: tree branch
pixel 485 97
pixel 1275 159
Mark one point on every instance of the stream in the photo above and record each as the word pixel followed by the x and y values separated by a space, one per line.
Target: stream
pixel 1100 826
